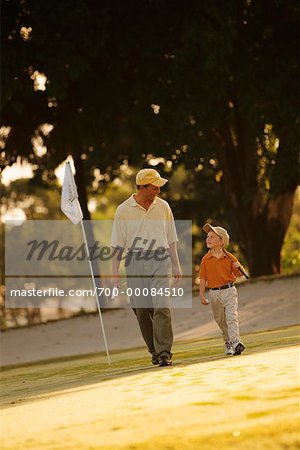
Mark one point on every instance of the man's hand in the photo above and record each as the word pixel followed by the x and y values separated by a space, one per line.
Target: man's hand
pixel 204 301
pixel 176 269
pixel 177 273
pixel 115 268
pixel 116 281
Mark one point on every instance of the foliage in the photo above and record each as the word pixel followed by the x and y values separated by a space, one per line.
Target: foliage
pixel 208 85
pixel 291 247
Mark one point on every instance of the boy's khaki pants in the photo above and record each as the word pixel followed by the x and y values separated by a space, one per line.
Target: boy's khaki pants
pixel 224 304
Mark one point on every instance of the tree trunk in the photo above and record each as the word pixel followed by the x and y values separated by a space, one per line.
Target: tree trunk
pixel 260 218
pixel 265 235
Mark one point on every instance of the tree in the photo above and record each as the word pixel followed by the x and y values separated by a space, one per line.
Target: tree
pixel 194 82
pixel 235 77
pixel 86 98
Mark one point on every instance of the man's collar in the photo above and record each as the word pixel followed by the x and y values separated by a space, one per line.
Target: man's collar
pixel 133 202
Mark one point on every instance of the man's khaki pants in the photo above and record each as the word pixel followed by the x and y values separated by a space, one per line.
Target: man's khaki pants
pixel 224 304
pixel 146 277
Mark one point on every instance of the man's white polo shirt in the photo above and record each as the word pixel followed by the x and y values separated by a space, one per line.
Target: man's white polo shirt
pixel 150 229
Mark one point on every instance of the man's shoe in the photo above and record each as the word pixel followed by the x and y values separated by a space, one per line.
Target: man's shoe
pixel 155 359
pixel 228 349
pixel 238 348
pixel 165 360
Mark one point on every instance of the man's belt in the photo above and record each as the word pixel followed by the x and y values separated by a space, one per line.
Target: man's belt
pixel 225 286
pixel 149 252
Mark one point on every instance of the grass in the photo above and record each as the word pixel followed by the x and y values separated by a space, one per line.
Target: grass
pixel 271 437
pixel 25 382
pixel 203 401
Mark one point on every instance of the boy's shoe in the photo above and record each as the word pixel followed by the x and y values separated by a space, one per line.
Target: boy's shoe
pixel 165 360
pixel 228 349
pixel 238 348
pixel 155 359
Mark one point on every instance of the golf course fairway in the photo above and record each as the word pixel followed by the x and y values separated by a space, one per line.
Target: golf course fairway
pixel 204 401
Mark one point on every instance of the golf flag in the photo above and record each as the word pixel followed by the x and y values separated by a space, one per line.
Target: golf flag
pixel 70 205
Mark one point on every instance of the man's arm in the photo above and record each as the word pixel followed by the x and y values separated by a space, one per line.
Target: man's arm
pixel 175 261
pixel 116 258
pixel 202 291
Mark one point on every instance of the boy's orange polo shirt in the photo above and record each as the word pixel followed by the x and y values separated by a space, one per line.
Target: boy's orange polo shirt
pixel 218 271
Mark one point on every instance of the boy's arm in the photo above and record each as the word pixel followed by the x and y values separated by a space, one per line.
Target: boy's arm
pixel 202 291
pixel 235 268
pixel 235 265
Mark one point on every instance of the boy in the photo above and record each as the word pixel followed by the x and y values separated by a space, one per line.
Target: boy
pixel 218 272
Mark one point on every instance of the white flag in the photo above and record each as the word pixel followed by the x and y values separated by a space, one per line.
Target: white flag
pixel 70 205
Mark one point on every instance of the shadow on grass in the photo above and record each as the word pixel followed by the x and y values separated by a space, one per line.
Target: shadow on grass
pixel 33 381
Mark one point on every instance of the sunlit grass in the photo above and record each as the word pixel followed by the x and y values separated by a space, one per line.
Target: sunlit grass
pixel 204 400
pixel 283 436
pixel 71 372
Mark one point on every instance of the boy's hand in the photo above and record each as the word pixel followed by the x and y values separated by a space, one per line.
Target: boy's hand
pixel 237 264
pixel 204 301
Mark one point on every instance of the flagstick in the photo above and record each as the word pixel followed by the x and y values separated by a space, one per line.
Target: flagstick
pixel 96 293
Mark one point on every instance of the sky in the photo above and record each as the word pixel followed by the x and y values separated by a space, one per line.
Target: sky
pixel 25 170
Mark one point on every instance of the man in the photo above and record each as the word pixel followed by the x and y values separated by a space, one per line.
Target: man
pixel 144 229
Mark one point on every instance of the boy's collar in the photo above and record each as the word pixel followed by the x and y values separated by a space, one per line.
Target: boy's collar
pixel 210 255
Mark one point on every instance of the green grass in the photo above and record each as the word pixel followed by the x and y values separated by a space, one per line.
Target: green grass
pixel 283 436
pixel 25 382
pixel 204 401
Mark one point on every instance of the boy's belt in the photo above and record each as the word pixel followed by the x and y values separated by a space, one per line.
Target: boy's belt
pixel 225 286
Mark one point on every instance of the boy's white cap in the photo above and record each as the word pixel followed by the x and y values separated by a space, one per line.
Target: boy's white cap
pixel 150 176
pixel 219 231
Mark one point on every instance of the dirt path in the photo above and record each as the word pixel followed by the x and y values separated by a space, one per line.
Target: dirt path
pixel 263 305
